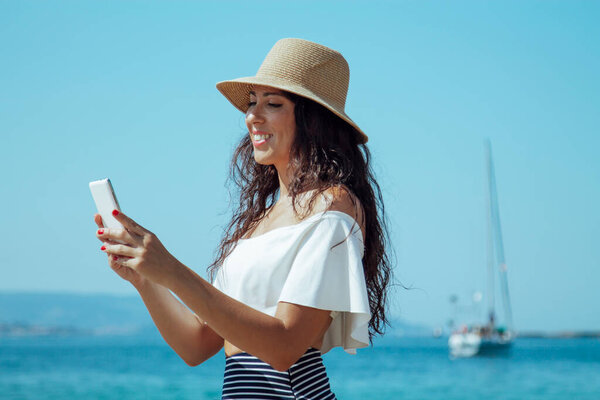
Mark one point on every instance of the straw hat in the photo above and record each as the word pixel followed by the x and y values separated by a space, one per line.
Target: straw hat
pixel 301 67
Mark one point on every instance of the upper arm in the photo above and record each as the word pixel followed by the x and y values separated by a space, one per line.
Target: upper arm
pixel 304 325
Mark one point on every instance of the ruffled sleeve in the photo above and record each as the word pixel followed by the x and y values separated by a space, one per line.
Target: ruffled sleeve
pixel 327 273
pixel 218 279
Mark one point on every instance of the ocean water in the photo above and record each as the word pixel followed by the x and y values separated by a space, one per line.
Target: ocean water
pixel 394 368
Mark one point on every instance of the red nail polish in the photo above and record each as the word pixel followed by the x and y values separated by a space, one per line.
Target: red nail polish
pixel 103 248
pixel 100 231
pixel 115 212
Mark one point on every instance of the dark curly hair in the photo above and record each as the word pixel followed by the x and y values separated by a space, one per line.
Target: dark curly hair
pixel 326 153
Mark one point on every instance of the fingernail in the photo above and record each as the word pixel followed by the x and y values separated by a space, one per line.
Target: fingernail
pixel 103 248
pixel 115 212
pixel 100 231
pixel 115 257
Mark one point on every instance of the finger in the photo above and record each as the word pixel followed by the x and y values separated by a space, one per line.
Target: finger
pixel 118 235
pixel 108 241
pixel 120 250
pixel 114 263
pixel 128 223
pixel 98 220
pixel 120 261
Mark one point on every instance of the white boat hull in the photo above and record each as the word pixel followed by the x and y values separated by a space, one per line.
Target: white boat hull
pixel 472 344
pixel 464 344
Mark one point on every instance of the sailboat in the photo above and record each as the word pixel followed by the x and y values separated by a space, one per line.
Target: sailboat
pixel 489 338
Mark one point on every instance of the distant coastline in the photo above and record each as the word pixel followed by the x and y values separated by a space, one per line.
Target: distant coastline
pixel 20 329
pixel 69 314
pixel 27 330
pixel 559 335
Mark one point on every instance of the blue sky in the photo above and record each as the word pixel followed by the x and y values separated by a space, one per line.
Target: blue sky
pixel 126 90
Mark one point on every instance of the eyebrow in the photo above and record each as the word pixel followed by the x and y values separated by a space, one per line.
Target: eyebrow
pixel 267 94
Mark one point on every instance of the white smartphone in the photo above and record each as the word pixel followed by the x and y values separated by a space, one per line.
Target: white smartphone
pixel 106 202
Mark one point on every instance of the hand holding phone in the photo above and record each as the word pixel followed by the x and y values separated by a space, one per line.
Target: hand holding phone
pixel 106 202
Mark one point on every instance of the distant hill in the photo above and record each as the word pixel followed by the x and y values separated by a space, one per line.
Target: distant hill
pixel 99 314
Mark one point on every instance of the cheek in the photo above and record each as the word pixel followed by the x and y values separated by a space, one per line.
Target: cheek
pixel 291 128
pixel 291 137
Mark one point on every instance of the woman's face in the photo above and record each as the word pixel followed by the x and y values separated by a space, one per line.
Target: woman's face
pixel 272 126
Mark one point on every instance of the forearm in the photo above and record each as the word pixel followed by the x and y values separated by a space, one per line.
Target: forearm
pixel 259 334
pixel 184 332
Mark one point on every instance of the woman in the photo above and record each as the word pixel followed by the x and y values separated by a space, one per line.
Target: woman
pixel 303 266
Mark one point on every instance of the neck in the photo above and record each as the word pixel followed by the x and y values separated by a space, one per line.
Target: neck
pixel 285 199
pixel 285 177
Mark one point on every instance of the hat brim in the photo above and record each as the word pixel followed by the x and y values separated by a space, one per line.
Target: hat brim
pixel 237 91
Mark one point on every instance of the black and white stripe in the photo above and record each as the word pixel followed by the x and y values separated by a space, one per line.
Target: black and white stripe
pixel 247 377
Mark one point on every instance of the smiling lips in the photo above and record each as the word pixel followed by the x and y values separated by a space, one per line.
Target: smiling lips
pixel 259 137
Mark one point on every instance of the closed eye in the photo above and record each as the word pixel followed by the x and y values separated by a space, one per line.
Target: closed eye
pixel 253 103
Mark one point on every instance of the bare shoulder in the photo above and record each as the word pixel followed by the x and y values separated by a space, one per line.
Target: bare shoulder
pixel 340 198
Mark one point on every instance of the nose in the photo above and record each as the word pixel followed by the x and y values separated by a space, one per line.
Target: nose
pixel 254 116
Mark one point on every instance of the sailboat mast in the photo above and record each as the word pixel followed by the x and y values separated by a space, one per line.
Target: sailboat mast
pixel 490 245
pixel 498 243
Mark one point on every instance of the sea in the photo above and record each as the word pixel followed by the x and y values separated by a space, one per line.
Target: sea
pixel 122 367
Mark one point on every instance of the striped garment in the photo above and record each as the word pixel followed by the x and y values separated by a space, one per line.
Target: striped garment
pixel 247 377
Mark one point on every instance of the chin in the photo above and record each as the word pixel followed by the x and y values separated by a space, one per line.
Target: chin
pixel 262 160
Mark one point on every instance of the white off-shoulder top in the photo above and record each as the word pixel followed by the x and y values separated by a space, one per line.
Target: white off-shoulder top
pixel 301 264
